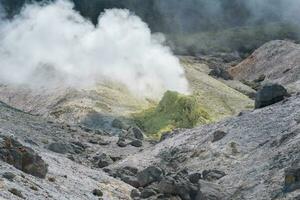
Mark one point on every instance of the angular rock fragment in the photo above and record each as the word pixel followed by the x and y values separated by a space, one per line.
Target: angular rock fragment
pixel 137 133
pixel 22 158
pixel 178 185
pixel 211 175
pixel 136 143
pixel 97 192
pixel 135 193
pixel 149 175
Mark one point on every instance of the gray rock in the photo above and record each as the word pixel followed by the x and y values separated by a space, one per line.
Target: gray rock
pixel 16 192
pixel 135 193
pixel 103 160
pixel 149 175
pixel 211 175
pixel 148 192
pixel 77 147
pixel 270 94
pixel 122 143
pixel 218 135
pixel 127 175
pixel 137 133
pixel 195 177
pixel 136 143
pixel 131 180
pixel 178 185
pixel 22 158
pixel 60 147
pixel 9 175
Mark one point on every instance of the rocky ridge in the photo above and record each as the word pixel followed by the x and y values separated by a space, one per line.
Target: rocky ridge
pixel 276 61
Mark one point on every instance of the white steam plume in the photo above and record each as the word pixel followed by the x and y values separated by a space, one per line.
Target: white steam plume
pixel 45 45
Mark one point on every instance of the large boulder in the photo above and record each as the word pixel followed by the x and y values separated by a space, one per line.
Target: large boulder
pixel 134 136
pixel 127 174
pixel 178 185
pixel 136 133
pixel 21 157
pixel 270 94
pixel 149 175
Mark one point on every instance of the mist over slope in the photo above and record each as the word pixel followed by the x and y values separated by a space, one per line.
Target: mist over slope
pixel 52 44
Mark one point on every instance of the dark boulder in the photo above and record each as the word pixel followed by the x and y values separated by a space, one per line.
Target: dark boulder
pixel 22 158
pixel 127 175
pixel 136 143
pixel 130 180
pixel 178 185
pixel 135 194
pixel 103 160
pixel 97 192
pixel 134 136
pixel 218 135
pixel 195 177
pixel 16 192
pixel 270 94
pixel 149 175
pixel 136 133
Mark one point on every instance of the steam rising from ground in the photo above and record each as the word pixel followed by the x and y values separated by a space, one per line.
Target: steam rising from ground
pixel 48 45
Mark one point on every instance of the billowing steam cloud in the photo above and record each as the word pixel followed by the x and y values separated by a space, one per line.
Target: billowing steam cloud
pixel 46 45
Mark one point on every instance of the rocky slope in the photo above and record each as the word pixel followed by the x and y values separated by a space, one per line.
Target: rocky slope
pixel 72 172
pixel 277 61
pixel 247 156
pixel 251 156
